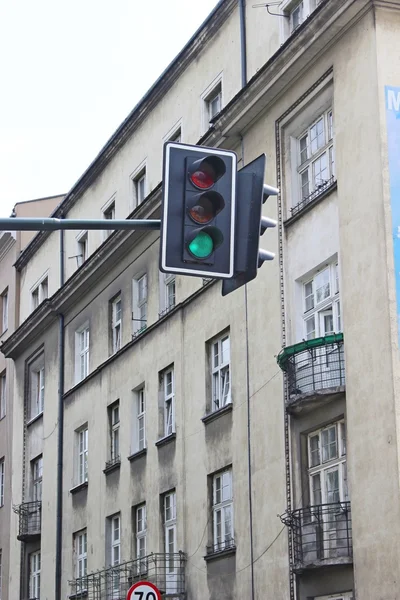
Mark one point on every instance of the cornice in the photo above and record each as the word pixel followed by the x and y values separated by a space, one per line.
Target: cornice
pixel 140 112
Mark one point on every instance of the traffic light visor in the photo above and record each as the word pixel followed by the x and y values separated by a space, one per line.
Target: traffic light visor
pixel 205 207
pixel 203 173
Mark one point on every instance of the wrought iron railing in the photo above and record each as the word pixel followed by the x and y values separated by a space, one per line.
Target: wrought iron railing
pixel 321 534
pixel 319 190
pixel 113 462
pixel 221 546
pixel 30 519
pixel 166 571
pixel 314 365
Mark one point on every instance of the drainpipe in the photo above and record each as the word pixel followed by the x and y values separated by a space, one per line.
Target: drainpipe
pixel 60 441
pixel 243 52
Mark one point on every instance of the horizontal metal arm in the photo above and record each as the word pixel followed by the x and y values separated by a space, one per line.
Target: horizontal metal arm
pixel 52 224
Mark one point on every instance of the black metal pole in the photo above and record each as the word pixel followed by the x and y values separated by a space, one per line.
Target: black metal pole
pixel 52 224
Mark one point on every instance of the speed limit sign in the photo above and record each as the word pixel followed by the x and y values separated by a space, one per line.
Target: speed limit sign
pixel 143 590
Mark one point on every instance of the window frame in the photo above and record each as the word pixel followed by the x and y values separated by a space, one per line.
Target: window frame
pixel 170 526
pixel 81 555
pixel 317 307
pixel 169 402
pixel 140 306
pixel 114 431
pixel 169 283
pixel 109 212
pixel 141 535
pixel 40 291
pixel 37 478
pixel 82 247
pixel 139 191
pixel 140 419
pixel 83 453
pixel 116 324
pixel 219 507
pixel 3 394
pixel 35 561
pixel 82 353
pixel 324 467
pixel 218 374
pixel 115 542
pixel 37 386
pixel 4 310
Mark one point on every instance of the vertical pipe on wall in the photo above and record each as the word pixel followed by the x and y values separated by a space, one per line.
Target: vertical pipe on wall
pixel 243 50
pixel 60 441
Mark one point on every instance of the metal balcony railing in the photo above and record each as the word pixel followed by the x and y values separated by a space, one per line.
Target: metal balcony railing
pixel 113 462
pixel 166 571
pixel 30 520
pixel 321 534
pixel 322 187
pixel 221 546
pixel 313 365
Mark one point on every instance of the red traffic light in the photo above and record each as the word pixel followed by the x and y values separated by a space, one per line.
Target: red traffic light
pixel 203 173
pixel 205 207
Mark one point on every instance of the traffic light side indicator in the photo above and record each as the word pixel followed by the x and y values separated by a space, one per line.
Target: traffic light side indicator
pixel 199 205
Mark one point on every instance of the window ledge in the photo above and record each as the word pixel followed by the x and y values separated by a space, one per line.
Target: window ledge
pixel 166 440
pixel 78 595
pixel 217 413
pixel 326 192
pixel 137 454
pixel 110 468
pixel 34 419
pixel 79 487
pixel 220 554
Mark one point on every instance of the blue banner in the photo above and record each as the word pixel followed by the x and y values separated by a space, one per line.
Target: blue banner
pixel 392 99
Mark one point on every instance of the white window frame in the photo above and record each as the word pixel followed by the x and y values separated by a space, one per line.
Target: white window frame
pixel 222 507
pixel 2 480
pixel 82 349
pixel 214 96
pixel 170 291
pixel 169 402
pixel 288 8
pixel 37 479
pixel 34 574
pixel 141 188
pixel 115 552
pixel 82 247
pixel 139 184
pixel 37 389
pixel 327 464
pixel 320 304
pixel 81 557
pixel 4 310
pixel 40 291
pixel 3 394
pixel 116 323
pixel 220 374
pixel 314 147
pixel 139 303
pixel 170 530
pixel 108 214
pixel 115 431
pixel 140 420
pixel 83 448
pixel 141 535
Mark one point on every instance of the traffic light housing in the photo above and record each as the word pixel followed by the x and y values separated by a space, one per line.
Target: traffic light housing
pixel 250 224
pixel 199 210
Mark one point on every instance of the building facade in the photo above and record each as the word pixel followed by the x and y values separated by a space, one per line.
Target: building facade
pixel 236 447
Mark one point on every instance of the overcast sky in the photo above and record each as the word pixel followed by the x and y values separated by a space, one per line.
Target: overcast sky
pixel 71 71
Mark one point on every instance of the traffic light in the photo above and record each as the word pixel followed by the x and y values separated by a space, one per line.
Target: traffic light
pixel 250 225
pixel 198 213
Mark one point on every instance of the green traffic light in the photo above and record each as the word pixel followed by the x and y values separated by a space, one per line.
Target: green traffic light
pixel 202 245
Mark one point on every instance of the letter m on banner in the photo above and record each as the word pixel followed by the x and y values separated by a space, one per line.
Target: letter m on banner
pixel 393 99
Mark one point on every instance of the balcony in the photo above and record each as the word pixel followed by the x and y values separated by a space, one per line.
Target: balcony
pixel 315 371
pixel 166 571
pixel 30 521
pixel 321 535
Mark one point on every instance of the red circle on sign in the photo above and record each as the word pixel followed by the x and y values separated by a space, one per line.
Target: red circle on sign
pixel 146 584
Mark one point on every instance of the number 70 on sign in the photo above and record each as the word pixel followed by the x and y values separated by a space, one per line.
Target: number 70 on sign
pixel 143 590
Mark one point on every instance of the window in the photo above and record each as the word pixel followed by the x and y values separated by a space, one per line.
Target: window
pixel 170 539
pixel 4 311
pixel 109 214
pixel 40 293
pixel 141 531
pixel 3 392
pixel 80 549
pixel 139 304
pixel 327 464
pixel 169 282
pixel 316 162
pixel 34 575
pixel 82 253
pixel 139 182
pixel 139 441
pixel 2 476
pixel 114 524
pixel 296 17
pixel 82 455
pixel 37 475
pixel 113 415
pixel 297 12
pixel 82 354
pixel 221 388
pixel 321 303
pixel 213 102
pixel 169 402
pixel 177 136
pixel 116 323
pixel 222 504
pixel 37 387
